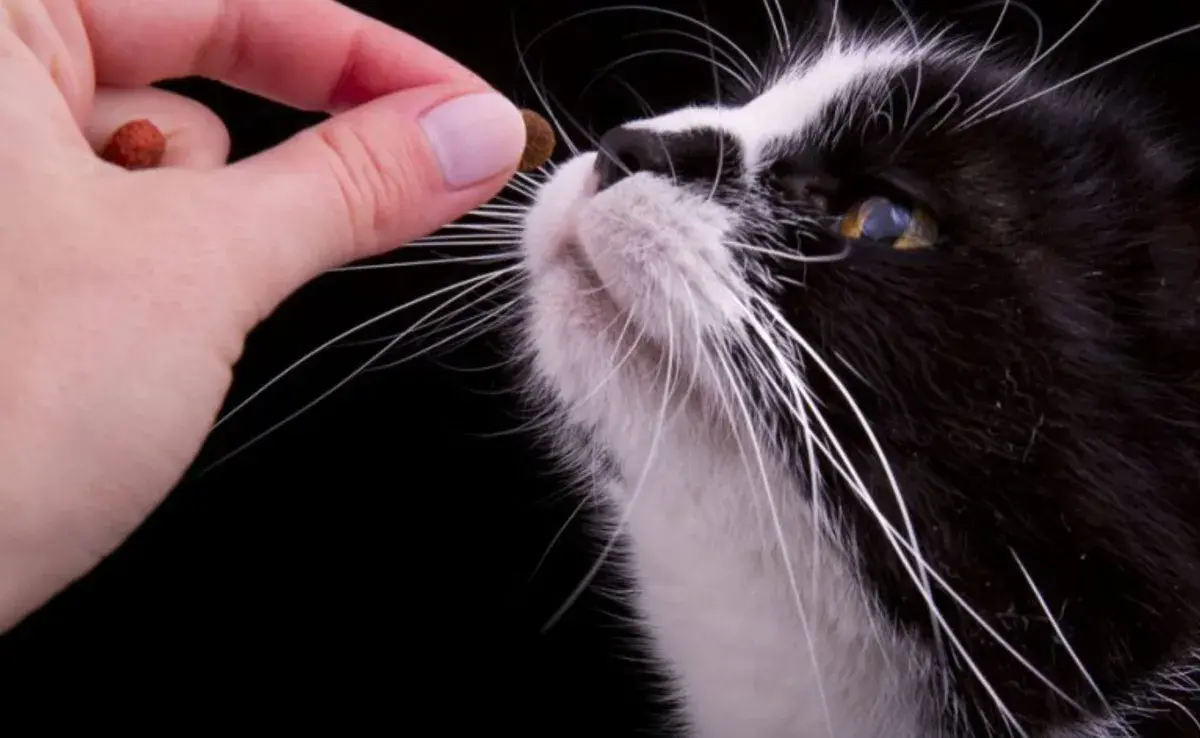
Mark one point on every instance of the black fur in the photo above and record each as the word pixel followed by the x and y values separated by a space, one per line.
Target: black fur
pixel 1034 382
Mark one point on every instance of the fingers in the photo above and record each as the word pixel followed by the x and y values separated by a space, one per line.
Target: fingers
pixel 196 137
pixel 309 54
pixel 368 180
pixel 54 34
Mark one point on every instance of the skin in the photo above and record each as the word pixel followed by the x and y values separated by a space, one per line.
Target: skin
pixel 126 297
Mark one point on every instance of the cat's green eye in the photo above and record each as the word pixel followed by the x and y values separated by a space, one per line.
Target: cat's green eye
pixel 882 220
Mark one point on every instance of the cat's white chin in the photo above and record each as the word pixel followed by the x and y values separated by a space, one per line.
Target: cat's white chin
pixel 626 273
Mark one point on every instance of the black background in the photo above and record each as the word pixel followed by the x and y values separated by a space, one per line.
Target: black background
pixel 371 561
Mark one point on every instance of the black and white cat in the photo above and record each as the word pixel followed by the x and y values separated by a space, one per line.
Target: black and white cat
pixel 889 375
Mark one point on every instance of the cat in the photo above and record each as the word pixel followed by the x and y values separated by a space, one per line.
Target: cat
pixel 887 375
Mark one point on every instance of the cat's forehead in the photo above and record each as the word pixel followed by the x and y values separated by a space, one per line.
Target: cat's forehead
pixel 796 102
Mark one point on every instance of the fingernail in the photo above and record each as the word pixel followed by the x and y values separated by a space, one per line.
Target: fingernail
pixel 474 137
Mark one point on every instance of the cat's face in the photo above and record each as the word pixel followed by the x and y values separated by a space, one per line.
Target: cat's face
pixel 871 240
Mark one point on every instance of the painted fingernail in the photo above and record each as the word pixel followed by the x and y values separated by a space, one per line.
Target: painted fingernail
pixel 474 137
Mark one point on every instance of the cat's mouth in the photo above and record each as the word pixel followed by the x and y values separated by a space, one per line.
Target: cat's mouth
pixel 639 262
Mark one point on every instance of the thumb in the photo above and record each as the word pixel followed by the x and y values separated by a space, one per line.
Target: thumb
pixel 368 180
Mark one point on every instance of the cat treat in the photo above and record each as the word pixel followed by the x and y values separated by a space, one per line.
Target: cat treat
pixel 136 145
pixel 539 141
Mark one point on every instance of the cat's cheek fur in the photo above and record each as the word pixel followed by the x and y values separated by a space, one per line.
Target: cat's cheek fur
pixel 703 502
pixel 779 618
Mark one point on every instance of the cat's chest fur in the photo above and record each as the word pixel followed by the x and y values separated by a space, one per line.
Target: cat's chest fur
pixel 756 646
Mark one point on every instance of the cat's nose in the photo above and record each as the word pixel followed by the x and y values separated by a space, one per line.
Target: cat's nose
pixel 626 151
pixel 694 155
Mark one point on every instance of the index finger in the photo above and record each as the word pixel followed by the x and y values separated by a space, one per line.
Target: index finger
pixel 308 54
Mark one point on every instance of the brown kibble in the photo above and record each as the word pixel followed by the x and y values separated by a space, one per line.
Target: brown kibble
pixel 539 141
pixel 136 145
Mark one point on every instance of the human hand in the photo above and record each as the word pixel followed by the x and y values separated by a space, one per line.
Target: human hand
pixel 125 297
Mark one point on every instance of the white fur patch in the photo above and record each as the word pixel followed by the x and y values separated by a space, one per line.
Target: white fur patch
pixel 622 283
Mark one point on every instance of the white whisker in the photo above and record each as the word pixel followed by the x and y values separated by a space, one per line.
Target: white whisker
pixel 554 540
pixel 970 68
pixel 727 57
pixel 651 456
pixel 1062 638
pixel 463 285
pixel 782 544
pixel 733 73
pixel 448 318
pixel 541 96
pixel 473 325
pixel 427 262
pixel 1075 78
pixel 775 253
pixel 660 11
pixel 981 104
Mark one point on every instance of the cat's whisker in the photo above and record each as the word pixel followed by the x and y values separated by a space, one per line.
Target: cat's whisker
pixel 485 258
pixel 727 57
pixel 976 120
pixel 469 247
pixel 1062 637
pixel 796 379
pixel 927 570
pixel 1037 23
pixel 542 421
pixel 651 456
pixel 786 256
pixel 720 139
pixel 853 370
pixel 473 329
pixel 833 451
pixel 910 98
pixel 446 318
pixel 1182 708
pixel 463 286
pixel 650 9
pixel 650 113
pixel 503 231
pixel 524 184
pixel 859 416
pixel 781 541
pixel 531 180
pixel 983 48
pixel 583 502
pixel 834 38
pixel 800 398
pixel 697 336
pixel 540 93
pixel 489 321
pixel 502 208
pixel 486 229
pixel 501 217
pixel 946 117
pixel 733 73
pixel 776 32
pixel 601 149
pixel 615 366
pixel 919 578
pixel 981 105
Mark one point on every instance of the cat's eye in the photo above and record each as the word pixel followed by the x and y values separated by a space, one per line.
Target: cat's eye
pixel 886 221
